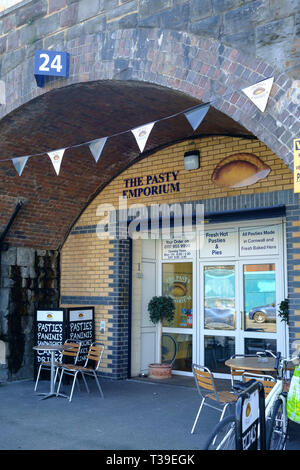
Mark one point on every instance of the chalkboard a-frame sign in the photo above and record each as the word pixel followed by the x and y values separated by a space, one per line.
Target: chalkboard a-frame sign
pixel 80 324
pixel 57 325
pixel 50 328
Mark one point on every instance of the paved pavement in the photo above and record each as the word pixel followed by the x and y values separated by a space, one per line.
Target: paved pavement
pixel 134 415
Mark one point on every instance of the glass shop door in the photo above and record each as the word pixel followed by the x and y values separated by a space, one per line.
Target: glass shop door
pixel 239 310
pixel 220 322
pixel 177 338
pixel 262 291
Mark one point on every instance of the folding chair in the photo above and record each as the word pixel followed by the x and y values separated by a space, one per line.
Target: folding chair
pixel 205 380
pixel 70 353
pixel 267 381
pixel 90 368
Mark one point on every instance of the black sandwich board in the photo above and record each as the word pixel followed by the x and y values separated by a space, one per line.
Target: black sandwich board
pixel 81 327
pixel 250 418
pixel 54 326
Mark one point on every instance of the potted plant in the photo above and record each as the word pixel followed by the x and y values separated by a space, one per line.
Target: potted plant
pixel 160 308
pixel 284 310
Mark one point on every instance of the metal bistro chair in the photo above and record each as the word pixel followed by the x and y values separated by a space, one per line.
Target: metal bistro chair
pixel 70 353
pixel 90 368
pixel 267 381
pixel 205 380
pixel 239 372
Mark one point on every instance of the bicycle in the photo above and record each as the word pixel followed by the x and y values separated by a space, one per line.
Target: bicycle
pixel 223 436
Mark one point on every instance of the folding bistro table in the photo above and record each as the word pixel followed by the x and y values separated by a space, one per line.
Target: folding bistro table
pixel 252 363
pixel 52 348
pixel 265 364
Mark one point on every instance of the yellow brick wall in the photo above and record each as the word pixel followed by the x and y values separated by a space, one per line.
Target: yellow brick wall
pixel 85 264
pixel 194 185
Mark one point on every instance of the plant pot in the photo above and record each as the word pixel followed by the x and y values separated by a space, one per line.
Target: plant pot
pixel 160 371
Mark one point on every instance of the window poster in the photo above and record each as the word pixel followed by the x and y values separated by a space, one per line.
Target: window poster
pixel 258 241
pixel 177 282
pixel 218 243
pixel 176 249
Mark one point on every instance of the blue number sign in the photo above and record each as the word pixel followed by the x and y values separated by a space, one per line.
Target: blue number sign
pixel 51 63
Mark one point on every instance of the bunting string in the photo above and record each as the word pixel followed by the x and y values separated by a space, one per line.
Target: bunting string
pixel 258 94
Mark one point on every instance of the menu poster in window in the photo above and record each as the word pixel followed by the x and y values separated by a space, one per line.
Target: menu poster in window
pixel 81 328
pixel 177 282
pixel 49 329
pixel 217 243
pixel 177 249
pixel 259 241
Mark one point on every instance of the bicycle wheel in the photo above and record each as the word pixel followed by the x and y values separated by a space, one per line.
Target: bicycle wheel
pixel 223 436
pixel 168 348
pixel 277 426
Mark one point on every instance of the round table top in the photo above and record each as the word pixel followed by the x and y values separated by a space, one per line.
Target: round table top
pixel 255 363
pixel 252 363
pixel 48 347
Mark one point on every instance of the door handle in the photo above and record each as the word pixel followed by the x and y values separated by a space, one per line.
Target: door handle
pixel 242 320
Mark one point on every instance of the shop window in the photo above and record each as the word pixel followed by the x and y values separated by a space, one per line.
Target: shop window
pixel 217 350
pixel 177 282
pixel 260 298
pixel 219 297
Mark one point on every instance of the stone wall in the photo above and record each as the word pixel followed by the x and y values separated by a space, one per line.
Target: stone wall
pixel 29 280
pixel 265 28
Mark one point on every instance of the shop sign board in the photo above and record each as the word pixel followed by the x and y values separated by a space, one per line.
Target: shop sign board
pixel 57 325
pixel 217 243
pixel 51 63
pixel 250 419
pixel 175 249
pixel 296 165
pixel 263 240
pixel 81 328
pixel 50 328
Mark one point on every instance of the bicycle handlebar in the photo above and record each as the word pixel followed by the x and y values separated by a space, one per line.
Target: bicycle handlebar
pixel 277 360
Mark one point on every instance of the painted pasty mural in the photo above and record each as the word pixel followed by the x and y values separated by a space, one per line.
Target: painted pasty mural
pixel 239 170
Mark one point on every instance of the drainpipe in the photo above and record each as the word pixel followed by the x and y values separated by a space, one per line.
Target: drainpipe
pixel 12 218
pixel 4 247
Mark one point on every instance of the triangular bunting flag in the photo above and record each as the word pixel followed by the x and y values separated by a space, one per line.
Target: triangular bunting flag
pixel 259 93
pixel 19 164
pixel 196 116
pixel 96 147
pixel 56 157
pixel 142 133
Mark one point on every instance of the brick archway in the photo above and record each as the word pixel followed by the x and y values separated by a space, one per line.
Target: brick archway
pixel 199 67
pixel 178 68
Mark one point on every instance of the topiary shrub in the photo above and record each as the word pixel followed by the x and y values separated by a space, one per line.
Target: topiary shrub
pixel 160 308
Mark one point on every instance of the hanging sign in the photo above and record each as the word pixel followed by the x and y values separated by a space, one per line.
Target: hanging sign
pixel 259 241
pixel 19 164
pixel 296 165
pixel 56 157
pixel 217 243
pixel 196 116
pixel 141 134
pixel 259 93
pixel 96 147
pixel 51 63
